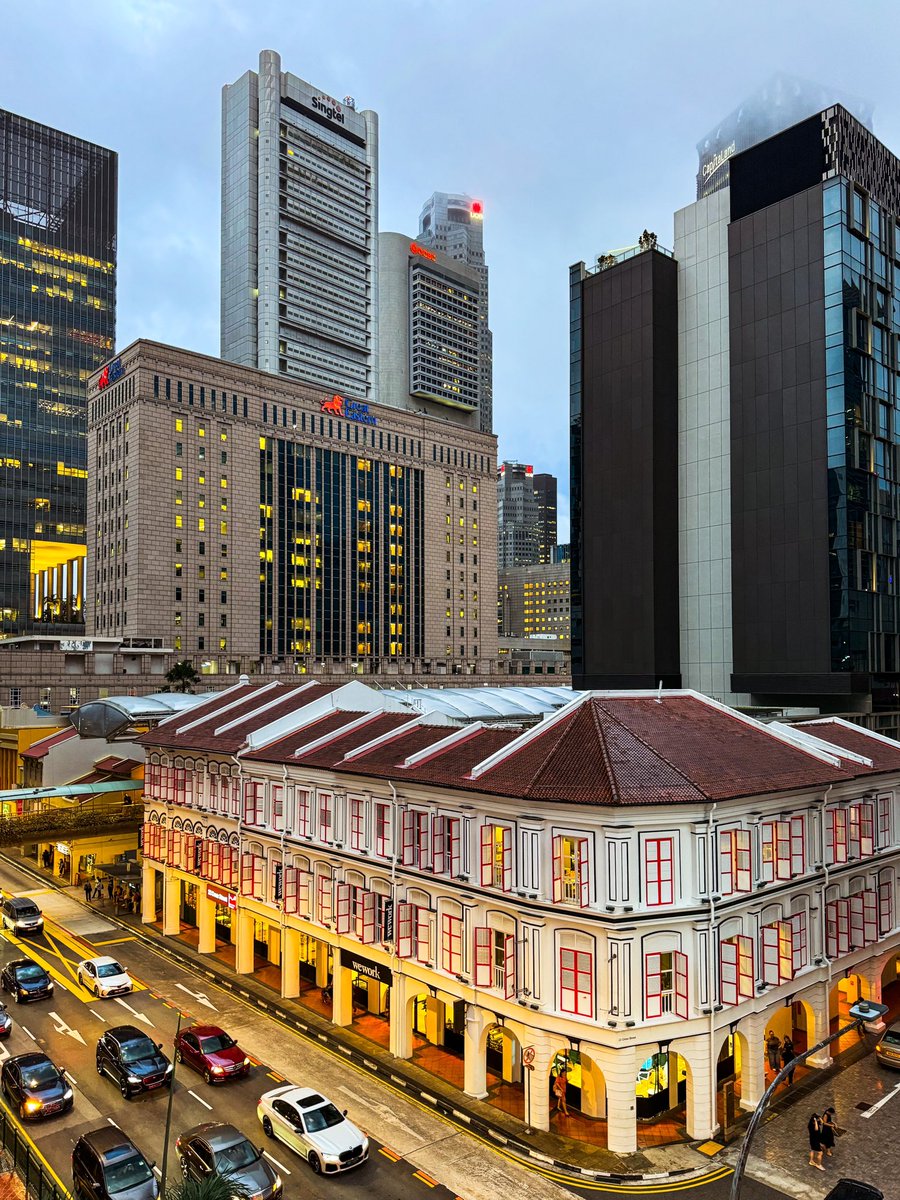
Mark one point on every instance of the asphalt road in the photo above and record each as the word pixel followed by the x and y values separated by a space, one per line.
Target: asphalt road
pixel 412 1154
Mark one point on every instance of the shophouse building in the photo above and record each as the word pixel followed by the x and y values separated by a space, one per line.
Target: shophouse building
pixel 636 888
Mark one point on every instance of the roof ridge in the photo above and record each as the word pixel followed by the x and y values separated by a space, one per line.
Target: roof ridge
pixel 647 746
pixel 545 760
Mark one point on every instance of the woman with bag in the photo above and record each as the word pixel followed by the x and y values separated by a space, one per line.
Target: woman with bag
pixel 814 1129
pixel 828 1131
pixel 559 1091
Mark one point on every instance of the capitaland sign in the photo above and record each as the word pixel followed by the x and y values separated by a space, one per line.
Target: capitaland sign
pixel 713 165
pixel 111 373
pixel 220 896
pixel 353 410
pixel 365 968
pixel 329 108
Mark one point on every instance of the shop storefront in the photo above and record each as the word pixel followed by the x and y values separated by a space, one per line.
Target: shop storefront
pixel 189 903
pixel 371 983
pixel 441 1022
pixel 226 906
pixel 308 952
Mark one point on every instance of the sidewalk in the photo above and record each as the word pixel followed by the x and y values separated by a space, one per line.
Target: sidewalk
pixel 679 1160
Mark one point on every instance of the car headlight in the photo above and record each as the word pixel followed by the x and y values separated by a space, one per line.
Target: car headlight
pixel 169 1068
pixel 32 1106
pixel 279 1182
pixel 50 986
pixel 246 1062
pixel 67 1094
pixel 218 1070
pixel 133 1079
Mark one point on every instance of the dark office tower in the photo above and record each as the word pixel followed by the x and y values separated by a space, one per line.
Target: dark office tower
pixel 545 494
pixel 624 493
pixel 517 516
pixel 57 326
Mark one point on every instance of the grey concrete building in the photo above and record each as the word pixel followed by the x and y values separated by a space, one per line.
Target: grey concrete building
pixel 545 491
pixel 453 224
pixel 299 222
pixel 517 516
pixel 535 603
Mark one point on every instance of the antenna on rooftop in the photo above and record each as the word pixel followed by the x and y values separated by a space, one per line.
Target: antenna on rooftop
pixel 659 693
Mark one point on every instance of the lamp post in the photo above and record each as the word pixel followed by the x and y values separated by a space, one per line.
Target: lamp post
pixel 863 1012
pixel 165 1160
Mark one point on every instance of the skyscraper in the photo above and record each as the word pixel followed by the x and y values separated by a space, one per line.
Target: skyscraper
pixel 57 326
pixel 453 223
pixel 545 494
pixel 299 224
pixel 517 516
pixel 787 449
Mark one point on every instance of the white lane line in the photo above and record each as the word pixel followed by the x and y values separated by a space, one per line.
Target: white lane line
pixel 141 1016
pixel 30 1034
pixel 280 1166
pixel 884 1099
pixel 94 1013
pixel 112 1122
pixel 59 983
pixel 71 1078
pixel 200 1098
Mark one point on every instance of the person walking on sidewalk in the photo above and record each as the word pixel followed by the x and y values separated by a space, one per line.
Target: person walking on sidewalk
pixel 98 889
pixel 559 1091
pixel 828 1131
pixel 788 1054
pixel 109 888
pixel 814 1129
pixel 87 891
pixel 773 1049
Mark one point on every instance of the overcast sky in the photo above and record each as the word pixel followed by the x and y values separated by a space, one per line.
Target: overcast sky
pixel 574 121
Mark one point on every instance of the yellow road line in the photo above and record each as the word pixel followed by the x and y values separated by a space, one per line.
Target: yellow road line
pixel 115 941
pixel 35 955
pixel 389 1154
pixel 426 1179
pixel 80 947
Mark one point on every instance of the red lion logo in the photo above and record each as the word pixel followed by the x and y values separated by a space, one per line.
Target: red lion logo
pixel 335 406
pixel 103 381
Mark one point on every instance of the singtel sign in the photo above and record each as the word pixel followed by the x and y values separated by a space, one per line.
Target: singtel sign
pixel 329 108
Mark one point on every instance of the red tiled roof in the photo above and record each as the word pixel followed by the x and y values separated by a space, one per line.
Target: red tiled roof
pixel 885 756
pixel 39 749
pixel 283 750
pixel 116 766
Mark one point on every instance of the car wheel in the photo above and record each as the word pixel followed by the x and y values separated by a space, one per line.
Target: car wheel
pixel 97 991
pixel 179 1057
pixel 267 1127
pixel 184 1169
pixel 99 1067
pixel 125 1090
pixel 207 1077
pixel 21 1112
pixel 316 1163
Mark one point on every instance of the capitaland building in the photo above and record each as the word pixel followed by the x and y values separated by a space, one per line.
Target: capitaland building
pixel 239 515
pixel 299 224
pixel 634 890
pixel 57 326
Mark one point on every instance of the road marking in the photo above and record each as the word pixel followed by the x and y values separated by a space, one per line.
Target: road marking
pixel 140 1015
pixel 280 1166
pixel 884 1099
pixel 30 1034
pixel 391 1154
pixel 71 1078
pixel 200 1099
pixel 115 941
pixel 62 1027
pixel 112 1122
pixel 426 1179
pixel 204 999
pixel 94 1013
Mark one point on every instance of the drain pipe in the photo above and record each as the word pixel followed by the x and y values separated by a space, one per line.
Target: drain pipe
pixel 823 892
pixel 711 960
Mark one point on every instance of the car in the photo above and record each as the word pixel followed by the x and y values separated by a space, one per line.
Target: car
pixel 5 1021
pixel 852 1189
pixel 218 1149
pixel 133 1061
pixel 104 976
pixel 209 1050
pixel 313 1127
pixel 107 1165
pixel 887 1048
pixel 35 1087
pixel 26 980
pixel 21 916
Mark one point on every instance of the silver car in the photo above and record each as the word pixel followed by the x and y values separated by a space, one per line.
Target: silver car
pixel 217 1149
pixel 887 1048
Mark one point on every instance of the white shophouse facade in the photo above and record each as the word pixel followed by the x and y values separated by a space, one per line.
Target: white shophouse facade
pixel 635 918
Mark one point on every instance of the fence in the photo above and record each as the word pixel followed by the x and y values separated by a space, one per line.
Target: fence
pixel 47 822
pixel 20 1156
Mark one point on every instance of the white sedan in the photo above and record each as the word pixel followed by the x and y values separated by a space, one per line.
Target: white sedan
pixel 104 977
pixel 313 1127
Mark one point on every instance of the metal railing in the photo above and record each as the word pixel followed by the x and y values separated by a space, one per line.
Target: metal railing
pixel 19 1155
pixel 46 822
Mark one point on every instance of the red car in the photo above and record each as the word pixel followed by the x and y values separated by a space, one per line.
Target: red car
pixel 209 1050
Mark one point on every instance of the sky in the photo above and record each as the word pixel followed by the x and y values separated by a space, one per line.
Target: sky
pixel 574 121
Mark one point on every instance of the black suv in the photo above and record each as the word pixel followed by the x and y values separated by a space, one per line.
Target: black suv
pixel 106 1165
pixel 132 1061
pixel 35 1087
pixel 26 980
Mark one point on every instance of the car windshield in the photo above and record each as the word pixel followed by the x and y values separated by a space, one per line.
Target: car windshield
pixel 104 970
pixel 212 1045
pixel 27 910
pixel 241 1154
pixel 40 1075
pixel 322 1118
pixel 138 1049
pixel 892 1037
pixel 124 1175
pixel 30 974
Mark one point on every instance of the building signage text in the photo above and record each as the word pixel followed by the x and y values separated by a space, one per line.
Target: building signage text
pixel 329 108
pixel 226 899
pixel 75 644
pixel 111 373
pixel 415 248
pixel 366 968
pixel 712 165
pixel 353 410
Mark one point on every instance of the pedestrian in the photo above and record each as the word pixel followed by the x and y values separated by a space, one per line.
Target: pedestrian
pixel 788 1054
pixel 98 889
pixel 814 1129
pixel 87 890
pixel 559 1091
pixel 773 1049
pixel 130 903
pixel 109 888
pixel 45 859
pixel 828 1131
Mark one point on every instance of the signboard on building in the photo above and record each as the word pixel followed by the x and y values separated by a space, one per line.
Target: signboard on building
pixel 75 644
pixel 226 899
pixel 353 410
pixel 111 373
pixel 365 967
pixel 388 929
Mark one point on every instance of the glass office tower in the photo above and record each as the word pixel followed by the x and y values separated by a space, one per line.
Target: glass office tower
pixel 57 326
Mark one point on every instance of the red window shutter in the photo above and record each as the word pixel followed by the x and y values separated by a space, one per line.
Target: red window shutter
pixel 726 862
pixel 782 850
pixel 770 967
pixel 843 923
pixel 681 985
pixel 172 840
pixel 342 908
pixel 483 947
pixel 584 874
pixel 438 838
pixel 767 848
pixel 454 834
pixel 408 846
pixel 289 885
pixel 302 812
pixel 422 840
pixel 870 916
pixel 798 845
pixel 652 985
pixel 246 874
pixel 866 830
pixel 510 990
pixel 584 980
pixel 746 979
pixel 259 864
pixel 884 821
pixel 369 909
pixel 487 855
pixel 857 928
pixel 785 950
pixel 885 905
pixel 405 930
pixel 831 929
pixel 205 853
pixel 305 893
pixel 557 870
pixel 215 861
pixel 743 881
pixel 798 942
pixel 728 972
pixel 507 859
pixel 424 949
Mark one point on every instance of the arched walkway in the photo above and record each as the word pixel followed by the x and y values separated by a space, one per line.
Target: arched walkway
pixel 505 1070
pixel 438 1027
pixel 845 993
pixel 734 1051
pixel 661 1099
pixel 585 1093
pixel 796 1021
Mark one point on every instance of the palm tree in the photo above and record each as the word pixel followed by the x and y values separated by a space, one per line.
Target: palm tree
pixel 213 1187
pixel 182 676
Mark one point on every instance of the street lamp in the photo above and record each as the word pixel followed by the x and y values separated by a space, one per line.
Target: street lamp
pixel 165 1161
pixel 863 1012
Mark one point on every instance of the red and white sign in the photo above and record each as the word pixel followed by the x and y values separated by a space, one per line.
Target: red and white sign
pixel 226 899
pixel 528 1055
pixel 415 248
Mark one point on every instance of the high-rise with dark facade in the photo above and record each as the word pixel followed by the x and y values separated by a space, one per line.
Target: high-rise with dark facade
pixel 517 516
pixel 299 230
pixel 788 446
pixel 545 490
pixel 57 326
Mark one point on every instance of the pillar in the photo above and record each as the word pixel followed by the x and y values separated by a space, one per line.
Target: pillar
pixel 148 894
pixel 206 922
pixel 321 964
pixel 290 963
pixel 373 996
pixel 474 1061
pixel 620 1071
pixel 700 1109
pixel 342 992
pixel 672 1061
pixel 537 1088
pixel 243 954
pixel 753 1068
pixel 171 904
pixel 817 997
pixel 403 992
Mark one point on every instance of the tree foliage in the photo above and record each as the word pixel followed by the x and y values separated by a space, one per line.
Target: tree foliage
pixel 182 677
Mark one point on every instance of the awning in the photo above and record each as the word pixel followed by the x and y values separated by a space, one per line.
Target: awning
pixel 126 871
pixel 71 789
